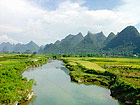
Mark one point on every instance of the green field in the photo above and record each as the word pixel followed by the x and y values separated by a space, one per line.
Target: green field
pixel 13 87
pixel 121 75
pixel 127 68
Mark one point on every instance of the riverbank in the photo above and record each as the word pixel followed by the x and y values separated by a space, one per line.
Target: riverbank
pixel 14 89
pixel 122 90
pixel 54 87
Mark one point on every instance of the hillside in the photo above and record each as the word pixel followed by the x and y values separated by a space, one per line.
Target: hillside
pixel 76 44
pixel 90 43
pixel 126 42
pixel 23 48
pixel 109 38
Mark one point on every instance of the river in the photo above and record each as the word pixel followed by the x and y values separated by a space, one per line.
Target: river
pixel 54 87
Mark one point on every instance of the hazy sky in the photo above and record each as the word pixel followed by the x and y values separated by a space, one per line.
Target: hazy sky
pixel 45 21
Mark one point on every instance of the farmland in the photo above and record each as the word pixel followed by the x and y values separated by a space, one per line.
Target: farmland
pixel 14 88
pixel 121 75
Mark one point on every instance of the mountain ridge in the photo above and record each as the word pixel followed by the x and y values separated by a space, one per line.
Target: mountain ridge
pixel 77 43
pixel 8 47
pixel 126 43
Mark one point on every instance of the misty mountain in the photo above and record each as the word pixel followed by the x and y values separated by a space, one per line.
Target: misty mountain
pixel 8 47
pixel 32 46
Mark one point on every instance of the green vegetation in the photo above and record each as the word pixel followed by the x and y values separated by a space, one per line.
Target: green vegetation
pixel 13 87
pixel 121 75
pixel 90 65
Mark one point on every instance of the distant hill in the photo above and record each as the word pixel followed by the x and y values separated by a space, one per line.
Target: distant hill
pixel 23 48
pixel 6 47
pixel 90 43
pixel 70 41
pixel 32 46
pixel 100 37
pixel 76 44
pixel 66 45
pixel 109 38
pixel 126 42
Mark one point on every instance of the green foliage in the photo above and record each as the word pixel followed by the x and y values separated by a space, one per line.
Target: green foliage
pixel 138 102
pixel 13 87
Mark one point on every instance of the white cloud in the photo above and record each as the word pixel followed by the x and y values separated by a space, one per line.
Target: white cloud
pixel 129 11
pixel 43 26
pixel 9 28
pixel 5 38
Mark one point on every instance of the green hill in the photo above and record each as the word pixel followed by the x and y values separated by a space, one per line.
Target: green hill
pixel 126 42
pixel 109 38
pixel 76 44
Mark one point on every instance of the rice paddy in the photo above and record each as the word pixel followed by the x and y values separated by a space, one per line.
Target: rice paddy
pixel 127 68
pixel 90 65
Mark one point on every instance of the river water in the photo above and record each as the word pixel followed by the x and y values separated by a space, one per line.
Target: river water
pixel 54 87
